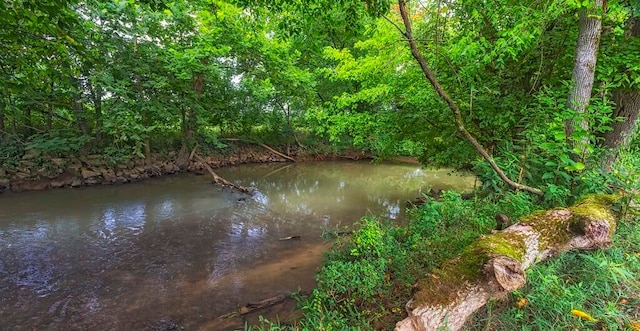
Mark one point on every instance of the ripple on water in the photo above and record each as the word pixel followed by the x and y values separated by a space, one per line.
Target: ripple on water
pixel 180 249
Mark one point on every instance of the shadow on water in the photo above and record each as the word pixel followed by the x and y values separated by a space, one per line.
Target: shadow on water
pixel 180 249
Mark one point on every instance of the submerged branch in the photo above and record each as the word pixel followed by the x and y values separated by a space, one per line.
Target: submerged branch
pixel 219 180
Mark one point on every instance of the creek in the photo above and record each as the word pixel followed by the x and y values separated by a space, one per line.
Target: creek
pixel 179 248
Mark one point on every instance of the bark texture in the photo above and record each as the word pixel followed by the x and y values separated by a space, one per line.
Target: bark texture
pixel 627 108
pixel 584 69
pixel 453 106
pixel 495 264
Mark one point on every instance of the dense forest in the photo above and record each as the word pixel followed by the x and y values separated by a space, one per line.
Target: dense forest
pixel 540 99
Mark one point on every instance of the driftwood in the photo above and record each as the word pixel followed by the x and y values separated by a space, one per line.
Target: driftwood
pixel 219 180
pixel 495 264
pixel 253 306
pixel 277 153
pixel 290 238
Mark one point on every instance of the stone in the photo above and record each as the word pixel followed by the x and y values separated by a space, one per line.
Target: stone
pixel 120 179
pixel 76 182
pixel 86 173
pixel 22 175
pixel 57 184
pixel 92 181
pixel 168 168
pixel 59 162
pixel 29 185
pixel 4 184
pixel 31 154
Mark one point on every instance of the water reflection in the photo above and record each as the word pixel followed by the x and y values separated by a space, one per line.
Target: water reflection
pixel 119 257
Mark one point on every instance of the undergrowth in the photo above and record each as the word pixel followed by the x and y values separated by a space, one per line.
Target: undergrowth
pixel 367 279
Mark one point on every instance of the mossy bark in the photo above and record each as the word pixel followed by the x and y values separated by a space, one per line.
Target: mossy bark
pixel 495 264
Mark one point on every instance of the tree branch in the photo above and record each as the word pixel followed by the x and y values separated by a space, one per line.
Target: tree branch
pixel 457 115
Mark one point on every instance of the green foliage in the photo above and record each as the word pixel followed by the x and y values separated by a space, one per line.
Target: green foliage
pixel 57 145
pixel 367 279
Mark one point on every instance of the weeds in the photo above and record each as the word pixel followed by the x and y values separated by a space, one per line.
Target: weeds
pixel 367 280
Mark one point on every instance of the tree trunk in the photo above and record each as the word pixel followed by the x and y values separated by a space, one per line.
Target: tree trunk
pixel 182 160
pixel 583 74
pixel 28 127
pixel 96 95
pixel 627 108
pixel 457 114
pixel 2 131
pixel 78 107
pixel 49 124
pixel 495 264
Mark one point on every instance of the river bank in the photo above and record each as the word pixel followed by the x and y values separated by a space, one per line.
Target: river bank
pixel 37 171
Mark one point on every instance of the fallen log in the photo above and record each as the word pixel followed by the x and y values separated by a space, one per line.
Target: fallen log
pixel 495 264
pixel 219 180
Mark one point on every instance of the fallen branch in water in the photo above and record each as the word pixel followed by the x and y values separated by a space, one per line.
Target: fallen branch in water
pixel 253 306
pixel 219 180
pixel 289 238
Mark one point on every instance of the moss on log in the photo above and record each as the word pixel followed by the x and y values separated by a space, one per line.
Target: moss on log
pixel 495 264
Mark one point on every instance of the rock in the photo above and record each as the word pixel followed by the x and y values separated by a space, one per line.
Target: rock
pixel 94 160
pixel 28 164
pixel 76 182
pixel 107 173
pixel 29 185
pixel 31 154
pixel 75 168
pixel 86 173
pixel 120 179
pixel 59 162
pixel 3 172
pixel 57 184
pixel 23 175
pixel 4 184
pixel 47 172
pixel 92 181
pixel 168 168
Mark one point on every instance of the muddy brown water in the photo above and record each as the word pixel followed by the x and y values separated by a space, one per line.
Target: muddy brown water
pixel 180 249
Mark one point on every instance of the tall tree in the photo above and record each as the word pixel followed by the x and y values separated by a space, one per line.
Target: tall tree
pixel 626 99
pixel 586 55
